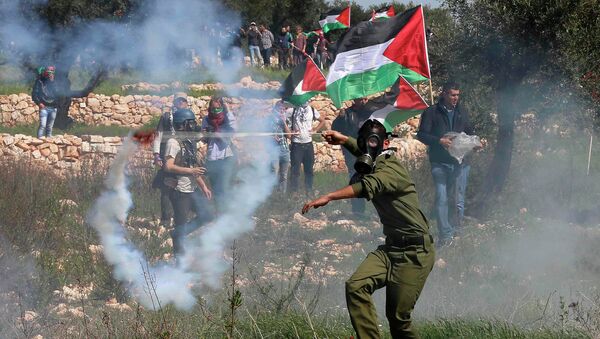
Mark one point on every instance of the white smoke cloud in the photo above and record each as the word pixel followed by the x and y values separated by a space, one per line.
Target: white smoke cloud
pixel 203 263
pixel 153 41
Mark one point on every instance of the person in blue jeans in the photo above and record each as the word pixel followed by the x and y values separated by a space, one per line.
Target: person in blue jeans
pixel 461 191
pixel 449 177
pixel 254 43
pixel 44 95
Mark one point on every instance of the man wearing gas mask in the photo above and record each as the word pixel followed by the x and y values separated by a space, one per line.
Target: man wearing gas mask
pixel 181 161
pixel 403 263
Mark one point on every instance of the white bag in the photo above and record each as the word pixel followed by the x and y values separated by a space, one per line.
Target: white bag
pixel 462 144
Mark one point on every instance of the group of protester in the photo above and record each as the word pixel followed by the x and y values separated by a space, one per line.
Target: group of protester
pixel 290 47
pixel 180 177
pixel 293 127
pixel 401 265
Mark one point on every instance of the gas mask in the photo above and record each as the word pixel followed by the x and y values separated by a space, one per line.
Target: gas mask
pixel 370 140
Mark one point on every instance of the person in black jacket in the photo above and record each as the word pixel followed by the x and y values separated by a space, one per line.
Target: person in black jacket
pixel 348 122
pixel 447 115
pixel 44 95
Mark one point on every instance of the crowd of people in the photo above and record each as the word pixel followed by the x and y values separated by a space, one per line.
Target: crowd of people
pixel 290 46
pixel 292 128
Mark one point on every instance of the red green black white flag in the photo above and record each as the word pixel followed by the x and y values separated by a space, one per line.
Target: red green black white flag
pixel 383 13
pixel 335 19
pixel 371 55
pixel 312 33
pixel 304 82
pixel 402 102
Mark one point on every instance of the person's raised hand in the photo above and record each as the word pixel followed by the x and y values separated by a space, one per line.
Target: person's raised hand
pixel 334 137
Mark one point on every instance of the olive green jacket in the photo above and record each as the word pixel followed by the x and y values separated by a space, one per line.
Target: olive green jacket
pixel 393 194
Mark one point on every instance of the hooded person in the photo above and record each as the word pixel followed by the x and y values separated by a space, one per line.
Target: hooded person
pixel 182 162
pixel 220 157
pixel 402 264
pixel 44 95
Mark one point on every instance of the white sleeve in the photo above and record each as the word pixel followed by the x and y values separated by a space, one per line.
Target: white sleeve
pixel 316 114
pixel 171 149
pixel 157 141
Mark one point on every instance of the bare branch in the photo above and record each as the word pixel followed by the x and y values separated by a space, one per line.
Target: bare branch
pixel 94 81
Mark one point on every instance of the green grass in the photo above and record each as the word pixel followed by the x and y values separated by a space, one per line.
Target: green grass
pixel 14 88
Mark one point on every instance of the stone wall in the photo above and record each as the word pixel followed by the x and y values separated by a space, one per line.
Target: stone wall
pixel 70 152
pixel 131 110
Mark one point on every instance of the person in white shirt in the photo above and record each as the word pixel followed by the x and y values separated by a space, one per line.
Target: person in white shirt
pixel 300 121
pixel 181 161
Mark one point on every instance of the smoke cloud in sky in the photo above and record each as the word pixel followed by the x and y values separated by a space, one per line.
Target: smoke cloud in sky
pixel 153 42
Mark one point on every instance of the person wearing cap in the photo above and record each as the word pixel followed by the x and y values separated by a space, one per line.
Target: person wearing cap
pixel 44 95
pixel 165 126
pixel 403 263
pixel 254 43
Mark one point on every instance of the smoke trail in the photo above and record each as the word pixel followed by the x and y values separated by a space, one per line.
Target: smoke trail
pixel 203 262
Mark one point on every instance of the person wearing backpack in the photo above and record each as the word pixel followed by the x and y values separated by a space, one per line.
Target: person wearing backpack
pixel 165 127
pixel 302 152
pixel 182 162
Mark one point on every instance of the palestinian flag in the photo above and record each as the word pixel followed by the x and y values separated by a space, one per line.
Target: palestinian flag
pixel 371 56
pixel 305 81
pixel 402 102
pixel 383 13
pixel 310 34
pixel 335 19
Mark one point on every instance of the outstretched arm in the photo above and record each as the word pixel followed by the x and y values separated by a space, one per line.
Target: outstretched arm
pixel 343 193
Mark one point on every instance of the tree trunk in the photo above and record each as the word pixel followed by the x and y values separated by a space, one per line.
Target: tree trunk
pixel 66 94
pixel 500 165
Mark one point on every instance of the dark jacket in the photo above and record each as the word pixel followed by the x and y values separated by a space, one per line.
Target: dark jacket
pixel 351 120
pixel 254 37
pixel 44 92
pixel 435 123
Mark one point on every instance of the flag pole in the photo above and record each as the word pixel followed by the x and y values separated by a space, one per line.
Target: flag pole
pixel 590 154
pixel 431 90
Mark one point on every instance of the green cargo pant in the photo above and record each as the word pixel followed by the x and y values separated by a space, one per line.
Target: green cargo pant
pixel 403 272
